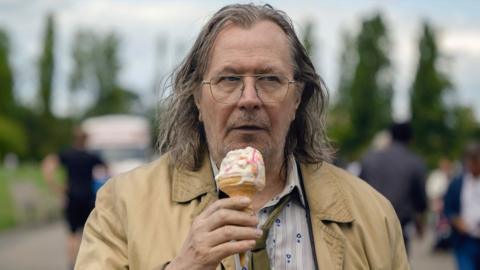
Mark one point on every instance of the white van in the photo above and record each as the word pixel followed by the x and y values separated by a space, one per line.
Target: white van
pixel 123 141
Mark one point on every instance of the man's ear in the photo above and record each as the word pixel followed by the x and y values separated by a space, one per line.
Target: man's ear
pixel 298 95
pixel 298 99
pixel 196 97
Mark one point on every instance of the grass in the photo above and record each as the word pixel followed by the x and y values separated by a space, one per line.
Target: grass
pixel 26 174
pixel 7 211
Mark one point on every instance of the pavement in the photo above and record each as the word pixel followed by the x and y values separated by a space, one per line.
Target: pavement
pixel 422 257
pixel 44 248
pixel 39 248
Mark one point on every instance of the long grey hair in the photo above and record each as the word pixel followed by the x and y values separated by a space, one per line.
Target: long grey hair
pixel 182 134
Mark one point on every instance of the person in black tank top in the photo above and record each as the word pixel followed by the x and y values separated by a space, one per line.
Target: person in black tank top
pixel 78 192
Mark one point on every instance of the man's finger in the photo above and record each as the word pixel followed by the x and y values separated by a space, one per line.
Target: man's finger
pixel 229 248
pixel 229 233
pixel 237 203
pixel 224 217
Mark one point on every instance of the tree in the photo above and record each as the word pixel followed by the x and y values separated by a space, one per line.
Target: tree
pixel 12 133
pixel 96 68
pixel 339 119
pixel 7 100
pixel 464 128
pixel 12 137
pixel 46 67
pixel 308 38
pixel 365 88
pixel 429 112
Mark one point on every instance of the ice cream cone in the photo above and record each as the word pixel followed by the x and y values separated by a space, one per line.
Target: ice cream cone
pixel 242 173
pixel 231 187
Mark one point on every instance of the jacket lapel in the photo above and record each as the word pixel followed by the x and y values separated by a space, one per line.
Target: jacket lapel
pixel 328 204
pixel 188 185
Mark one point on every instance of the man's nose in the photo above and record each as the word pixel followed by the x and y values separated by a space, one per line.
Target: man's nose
pixel 249 97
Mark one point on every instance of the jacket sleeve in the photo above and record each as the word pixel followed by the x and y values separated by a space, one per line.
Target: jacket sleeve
pixel 104 244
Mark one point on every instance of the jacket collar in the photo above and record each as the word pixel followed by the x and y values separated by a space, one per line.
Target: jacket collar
pixel 326 199
pixel 188 185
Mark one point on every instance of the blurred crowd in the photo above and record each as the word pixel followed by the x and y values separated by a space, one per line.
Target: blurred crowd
pixel 444 200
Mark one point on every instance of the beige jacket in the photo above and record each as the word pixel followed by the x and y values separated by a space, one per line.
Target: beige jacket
pixel 142 218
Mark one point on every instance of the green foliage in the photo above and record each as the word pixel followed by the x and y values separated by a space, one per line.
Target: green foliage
pixel 12 133
pixel 429 111
pixel 308 38
pixel 45 135
pixel 46 67
pixel 363 104
pixel 96 68
pixel 7 212
pixel 12 137
pixel 7 101
pixel 464 128
pixel 43 205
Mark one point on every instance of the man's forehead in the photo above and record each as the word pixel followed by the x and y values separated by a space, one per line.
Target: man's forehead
pixel 260 48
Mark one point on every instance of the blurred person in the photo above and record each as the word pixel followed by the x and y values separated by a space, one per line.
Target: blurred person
pixel 247 81
pixel 381 141
pixel 437 183
pixel 78 192
pixel 436 186
pixel 399 174
pixel 462 208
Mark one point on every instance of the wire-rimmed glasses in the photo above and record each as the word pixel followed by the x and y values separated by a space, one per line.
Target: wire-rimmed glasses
pixel 271 88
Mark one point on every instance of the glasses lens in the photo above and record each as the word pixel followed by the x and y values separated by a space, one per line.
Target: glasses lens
pixel 226 89
pixel 272 88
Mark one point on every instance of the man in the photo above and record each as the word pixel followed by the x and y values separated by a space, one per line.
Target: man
pixel 246 82
pixel 399 175
pixel 462 204
pixel 79 196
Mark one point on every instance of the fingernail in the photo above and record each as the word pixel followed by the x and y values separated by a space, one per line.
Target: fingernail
pixel 244 200
pixel 259 232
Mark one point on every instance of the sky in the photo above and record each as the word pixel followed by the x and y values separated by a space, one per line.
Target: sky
pixel 156 35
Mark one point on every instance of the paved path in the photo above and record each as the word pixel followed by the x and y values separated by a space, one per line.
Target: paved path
pixel 43 248
pixel 423 259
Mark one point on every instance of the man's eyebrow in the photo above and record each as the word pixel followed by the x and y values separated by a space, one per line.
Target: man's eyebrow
pixel 239 70
pixel 267 69
pixel 228 70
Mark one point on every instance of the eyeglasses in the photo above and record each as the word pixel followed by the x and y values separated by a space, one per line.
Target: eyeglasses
pixel 271 88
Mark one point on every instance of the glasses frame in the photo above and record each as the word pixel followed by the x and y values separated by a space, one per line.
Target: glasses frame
pixel 256 76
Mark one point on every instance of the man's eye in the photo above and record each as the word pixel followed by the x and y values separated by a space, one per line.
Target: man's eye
pixel 229 79
pixel 270 78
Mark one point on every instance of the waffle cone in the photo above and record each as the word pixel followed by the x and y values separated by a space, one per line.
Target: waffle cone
pixel 232 188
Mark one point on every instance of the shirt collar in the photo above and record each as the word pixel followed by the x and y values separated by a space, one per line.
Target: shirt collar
pixel 293 181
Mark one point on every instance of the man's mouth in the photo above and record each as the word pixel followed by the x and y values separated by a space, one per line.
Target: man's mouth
pixel 251 128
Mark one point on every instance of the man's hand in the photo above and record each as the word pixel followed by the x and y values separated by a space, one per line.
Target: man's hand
pixel 49 166
pixel 210 237
pixel 460 225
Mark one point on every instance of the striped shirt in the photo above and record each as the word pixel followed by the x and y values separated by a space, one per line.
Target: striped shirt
pixel 288 243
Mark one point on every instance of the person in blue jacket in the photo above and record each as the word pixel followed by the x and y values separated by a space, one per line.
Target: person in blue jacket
pixel 462 208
